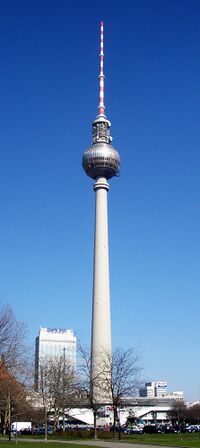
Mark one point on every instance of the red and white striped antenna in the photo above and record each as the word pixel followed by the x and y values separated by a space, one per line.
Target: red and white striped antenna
pixel 101 107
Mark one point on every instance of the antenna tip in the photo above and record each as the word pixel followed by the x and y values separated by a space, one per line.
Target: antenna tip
pixel 101 23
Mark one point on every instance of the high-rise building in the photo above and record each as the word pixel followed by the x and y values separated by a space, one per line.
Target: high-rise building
pixel 51 344
pixel 101 162
pixel 154 389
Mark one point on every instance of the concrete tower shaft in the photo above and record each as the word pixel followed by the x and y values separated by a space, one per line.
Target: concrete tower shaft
pixel 101 328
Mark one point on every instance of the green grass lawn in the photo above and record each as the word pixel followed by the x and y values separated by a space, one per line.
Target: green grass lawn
pixel 182 440
pixel 185 439
pixel 29 444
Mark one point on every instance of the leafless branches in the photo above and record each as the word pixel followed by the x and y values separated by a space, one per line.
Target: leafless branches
pixel 123 377
pixel 12 341
pixel 178 412
pixel 125 374
pixel 14 366
pixel 57 386
pixel 117 378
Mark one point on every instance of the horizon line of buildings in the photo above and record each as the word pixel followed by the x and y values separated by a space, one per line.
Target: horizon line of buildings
pixel 152 403
pixel 52 343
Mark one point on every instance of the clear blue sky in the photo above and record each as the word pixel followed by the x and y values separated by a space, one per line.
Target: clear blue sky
pixel 48 99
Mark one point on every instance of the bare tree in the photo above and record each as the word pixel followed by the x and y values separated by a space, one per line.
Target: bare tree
pixel 123 379
pixel 178 412
pixel 57 387
pixel 118 377
pixel 88 383
pixel 63 386
pixel 13 399
pixel 193 414
pixel 14 366
pixel 12 341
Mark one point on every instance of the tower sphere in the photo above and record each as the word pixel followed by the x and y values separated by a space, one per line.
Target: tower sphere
pixel 101 160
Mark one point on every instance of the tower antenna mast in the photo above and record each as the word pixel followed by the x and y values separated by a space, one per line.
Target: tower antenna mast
pixel 101 107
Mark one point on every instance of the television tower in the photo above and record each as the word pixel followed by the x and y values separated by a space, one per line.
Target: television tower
pixel 101 162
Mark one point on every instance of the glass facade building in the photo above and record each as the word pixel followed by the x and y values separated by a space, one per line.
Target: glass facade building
pixel 51 344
